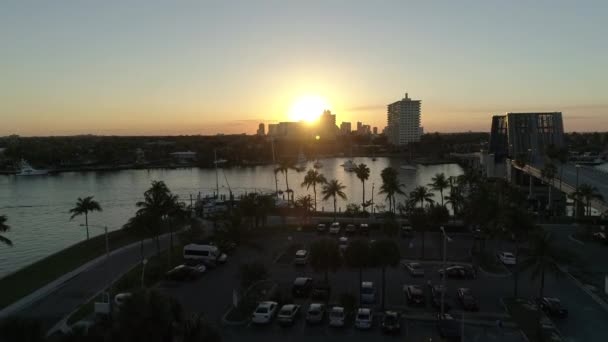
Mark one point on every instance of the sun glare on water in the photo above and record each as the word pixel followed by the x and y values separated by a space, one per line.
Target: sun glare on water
pixel 308 108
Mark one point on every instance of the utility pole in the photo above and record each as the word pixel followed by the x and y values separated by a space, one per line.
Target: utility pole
pixel 373 185
pixel 444 274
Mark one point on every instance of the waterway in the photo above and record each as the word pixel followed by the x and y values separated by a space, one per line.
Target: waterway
pixel 38 207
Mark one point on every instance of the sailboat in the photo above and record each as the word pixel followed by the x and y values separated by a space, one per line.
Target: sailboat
pixel 318 164
pixel 25 169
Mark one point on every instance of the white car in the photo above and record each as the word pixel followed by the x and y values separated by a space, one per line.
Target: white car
pixel 507 258
pixel 343 243
pixel 334 228
pixel 368 292
pixel 364 318
pixel 288 313
pixel 321 227
pixel 351 228
pixel 301 257
pixel 336 317
pixel 316 312
pixel 264 312
pixel 414 268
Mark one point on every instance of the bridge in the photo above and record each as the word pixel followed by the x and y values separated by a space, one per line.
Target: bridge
pixel 586 175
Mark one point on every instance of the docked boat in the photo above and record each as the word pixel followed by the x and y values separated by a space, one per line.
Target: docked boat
pixel 25 169
pixel 408 167
pixel 318 164
pixel 349 165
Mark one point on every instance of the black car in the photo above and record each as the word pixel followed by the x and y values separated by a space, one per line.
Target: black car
pixel 553 307
pixel 466 298
pixel 448 327
pixel 414 294
pixel 436 291
pixel 185 272
pixel 302 287
pixel 391 323
pixel 459 271
pixel 321 292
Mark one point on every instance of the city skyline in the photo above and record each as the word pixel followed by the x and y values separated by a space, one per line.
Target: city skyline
pixel 155 68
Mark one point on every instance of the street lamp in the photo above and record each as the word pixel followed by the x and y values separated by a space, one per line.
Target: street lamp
pixel 143 271
pixel 530 171
pixel 446 239
pixel 578 167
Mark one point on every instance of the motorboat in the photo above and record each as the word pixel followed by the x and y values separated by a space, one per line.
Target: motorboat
pixel 318 164
pixel 408 167
pixel 25 169
pixel 349 165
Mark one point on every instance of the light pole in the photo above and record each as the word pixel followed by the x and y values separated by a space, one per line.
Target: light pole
pixel 529 170
pixel 373 184
pixel 444 275
pixel 578 167
pixel 143 271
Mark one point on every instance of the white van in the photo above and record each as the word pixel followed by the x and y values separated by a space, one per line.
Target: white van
pixel 368 292
pixel 208 254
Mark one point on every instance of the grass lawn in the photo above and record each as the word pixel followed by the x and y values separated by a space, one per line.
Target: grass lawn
pixel 40 273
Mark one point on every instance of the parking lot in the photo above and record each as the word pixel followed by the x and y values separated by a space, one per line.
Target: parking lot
pixel 212 294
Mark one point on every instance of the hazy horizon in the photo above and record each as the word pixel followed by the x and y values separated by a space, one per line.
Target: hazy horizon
pixel 200 68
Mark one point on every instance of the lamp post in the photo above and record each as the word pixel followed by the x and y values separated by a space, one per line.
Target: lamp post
pixel 143 271
pixel 446 239
pixel 578 167
pixel 530 162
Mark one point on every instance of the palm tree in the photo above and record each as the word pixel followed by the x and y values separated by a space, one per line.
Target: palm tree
pixel 543 258
pixel 421 194
pixel 362 172
pixel 325 256
pixel 588 193
pixel 559 154
pixel 3 229
pixel 357 255
pixel 155 207
pixel 176 211
pixel 305 204
pixel 333 188
pixel 384 253
pixel 284 167
pixel 391 186
pixel 548 174
pixel 83 207
pixel 439 183
pixel 312 178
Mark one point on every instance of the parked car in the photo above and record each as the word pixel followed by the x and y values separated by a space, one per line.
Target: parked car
pixel 210 255
pixel 414 268
pixel 321 227
pixel 448 327
pixel 466 298
pixel 288 314
pixel 414 294
pixel 600 236
pixel 185 272
pixel 302 287
pixel 436 293
pixel 342 243
pixel 507 258
pixel 364 318
pixel 121 298
pixel 337 316
pixel 391 323
pixel 368 292
pixel 334 228
pixel 315 313
pixel 301 257
pixel 406 231
pixel 364 229
pixel 264 313
pixel 351 228
pixel 321 291
pixel 553 307
pixel 459 271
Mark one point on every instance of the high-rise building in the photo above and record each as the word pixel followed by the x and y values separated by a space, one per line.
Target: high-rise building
pixel 375 130
pixel 403 121
pixel 261 129
pixel 273 130
pixel 525 135
pixel 345 128
pixel 359 127
pixel 327 128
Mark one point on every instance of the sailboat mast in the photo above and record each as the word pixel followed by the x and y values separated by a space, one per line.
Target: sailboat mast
pixel 217 181
pixel 274 162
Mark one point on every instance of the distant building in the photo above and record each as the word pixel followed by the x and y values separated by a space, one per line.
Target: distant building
pixel 273 129
pixel 345 128
pixel 326 127
pixel 366 130
pixel 375 130
pixel 359 127
pixel 288 130
pixel 261 129
pixel 515 135
pixel 184 157
pixel 403 121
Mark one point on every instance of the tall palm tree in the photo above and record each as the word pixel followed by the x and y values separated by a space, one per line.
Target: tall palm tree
pixel 548 174
pixel 543 258
pixel 362 172
pixel 3 229
pixel 421 194
pixel 384 253
pixel 357 255
pixel 305 204
pixel 284 167
pixel 588 193
pixel 391 186
pixel 439 183
pixel 155 207
pixel 312 178
pixel 334 189
pixel 83 207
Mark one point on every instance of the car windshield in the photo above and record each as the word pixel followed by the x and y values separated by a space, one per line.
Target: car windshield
pixel 337 314
pixel 261 310
pixel 415 266
pixel 390 319
pixel 314 312
pixel 285 312
pixel 367 290
pixel 363 317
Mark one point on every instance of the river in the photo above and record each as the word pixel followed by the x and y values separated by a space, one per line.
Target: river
pixel 37 207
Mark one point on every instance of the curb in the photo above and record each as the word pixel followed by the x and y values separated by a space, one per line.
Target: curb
pixel 573 239
pixel 53 285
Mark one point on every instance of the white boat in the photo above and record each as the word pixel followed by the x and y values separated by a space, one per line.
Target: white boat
pixel 318 164
pixel 25 169
pixel 349 165
pixel 408 167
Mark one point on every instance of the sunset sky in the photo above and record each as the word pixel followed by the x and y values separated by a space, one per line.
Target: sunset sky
pixel 202 67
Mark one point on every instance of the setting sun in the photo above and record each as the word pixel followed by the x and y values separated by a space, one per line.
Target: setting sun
pixel 308 108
